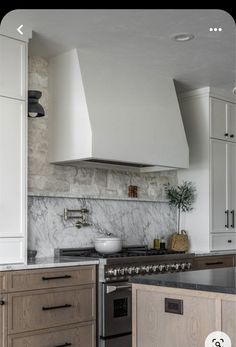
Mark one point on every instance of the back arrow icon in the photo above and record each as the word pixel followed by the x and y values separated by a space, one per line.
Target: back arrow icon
pixel 19 29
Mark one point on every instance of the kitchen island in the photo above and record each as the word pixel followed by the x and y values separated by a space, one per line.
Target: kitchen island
pixel 181 309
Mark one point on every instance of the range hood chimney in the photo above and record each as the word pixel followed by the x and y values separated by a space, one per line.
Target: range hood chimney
pixel 108 113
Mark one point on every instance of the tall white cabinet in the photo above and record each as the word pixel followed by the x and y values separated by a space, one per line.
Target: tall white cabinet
pixel 13 147
pixel 209 117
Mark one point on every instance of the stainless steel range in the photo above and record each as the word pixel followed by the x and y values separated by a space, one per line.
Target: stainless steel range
pixel 114 289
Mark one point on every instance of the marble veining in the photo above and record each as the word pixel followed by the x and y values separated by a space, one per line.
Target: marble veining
pixel 135 222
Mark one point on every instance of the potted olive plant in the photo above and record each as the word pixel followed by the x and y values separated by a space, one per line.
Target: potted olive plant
pixel 181 196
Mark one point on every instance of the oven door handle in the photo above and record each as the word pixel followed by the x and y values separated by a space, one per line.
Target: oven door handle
pixel 111 289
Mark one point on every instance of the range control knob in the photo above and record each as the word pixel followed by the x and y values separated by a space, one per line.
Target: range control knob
pixel 155 268
pixel 167 267
pixel 131 270
pixel 183 266
pixel 189 265
pixel 161 267
pixel 137 269
pixel 177 267
pixel 110 272
pixel 122 271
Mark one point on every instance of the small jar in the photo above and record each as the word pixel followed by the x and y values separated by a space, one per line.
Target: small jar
pixel 162 243
pixel 156 243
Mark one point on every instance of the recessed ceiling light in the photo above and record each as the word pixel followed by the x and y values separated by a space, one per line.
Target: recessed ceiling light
pixel 182 37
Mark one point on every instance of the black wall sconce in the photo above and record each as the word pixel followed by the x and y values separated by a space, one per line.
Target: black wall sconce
pixel 34 107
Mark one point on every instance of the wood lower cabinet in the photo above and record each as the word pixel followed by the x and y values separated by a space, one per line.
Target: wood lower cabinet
pixel 3 320
pixel 80 335
pixel 202 313
pixel 213 262
pixel 48 307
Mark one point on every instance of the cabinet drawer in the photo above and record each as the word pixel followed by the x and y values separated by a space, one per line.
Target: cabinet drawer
pixel 45 309
pixel 51 278
pixel 81 335
pixel 224 241
pixel 213 262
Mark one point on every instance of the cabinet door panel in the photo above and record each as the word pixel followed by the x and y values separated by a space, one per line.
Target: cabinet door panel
pixel 13 167
pixel 232 185
pixel 232 121
pixel 219 203
pixel 218 119
pixel 12 68
pixel 157 328
pixel 229 320
pixel 3 321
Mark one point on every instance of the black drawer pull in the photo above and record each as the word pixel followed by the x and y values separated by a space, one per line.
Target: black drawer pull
pixel 65 345
pixel 229 241
pixel 232 135
pixel 232 215
pixel 215 263
pixel 2 302
pixel 226 134
pixel 227 218
pixel 55 307
pixel 55 278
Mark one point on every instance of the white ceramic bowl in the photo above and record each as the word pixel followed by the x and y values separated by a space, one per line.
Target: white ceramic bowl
pixel 108 244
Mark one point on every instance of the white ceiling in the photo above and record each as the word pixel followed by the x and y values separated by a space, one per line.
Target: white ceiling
pixel 141 37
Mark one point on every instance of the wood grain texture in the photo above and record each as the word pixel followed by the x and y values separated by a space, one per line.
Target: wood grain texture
pixel 79 335
pixel 3 281
pixel 25 311
pixel 3 321
pixel 33 279
pixel 229 319
pixel 153 327
pixel 213 262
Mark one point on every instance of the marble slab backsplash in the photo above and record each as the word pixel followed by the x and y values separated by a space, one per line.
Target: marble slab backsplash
pixel 135 222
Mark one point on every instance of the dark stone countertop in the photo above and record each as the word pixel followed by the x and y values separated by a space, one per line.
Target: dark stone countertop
pixel 221 280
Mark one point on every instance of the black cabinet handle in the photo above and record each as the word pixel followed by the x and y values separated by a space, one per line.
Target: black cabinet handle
pixel 55 277
pixel 229 241
pixel 64 345
pixel 232 135
pixel 232 215
pixel 55 307
pixel 226 134
pixel 2 302
pixel 227 218
pixel 215 263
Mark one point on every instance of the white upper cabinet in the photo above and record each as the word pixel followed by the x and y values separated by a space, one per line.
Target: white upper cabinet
pixel 219 191
pixel 232 122
pixel 13 167
pixel 232 185
pixel 13 150
pixel 223 120
pixel 12 68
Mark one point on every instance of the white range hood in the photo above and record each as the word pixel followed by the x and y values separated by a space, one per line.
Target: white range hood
pixel 108 113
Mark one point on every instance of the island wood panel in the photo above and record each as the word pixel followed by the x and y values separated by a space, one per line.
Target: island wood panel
pixel 203 311
pixel 51 278
pixel 26 313
pixel 79 335
pixel 157 328
pixel 229 319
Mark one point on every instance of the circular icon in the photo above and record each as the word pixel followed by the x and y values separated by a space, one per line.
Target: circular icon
pixel 218 339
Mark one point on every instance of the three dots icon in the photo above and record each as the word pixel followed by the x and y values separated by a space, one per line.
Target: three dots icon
pixel 215 29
